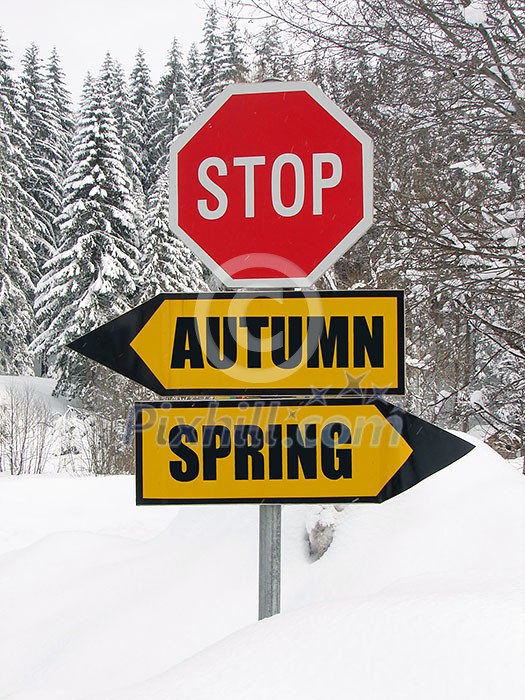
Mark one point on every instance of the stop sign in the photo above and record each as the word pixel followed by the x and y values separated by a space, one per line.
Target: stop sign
pixel 271 184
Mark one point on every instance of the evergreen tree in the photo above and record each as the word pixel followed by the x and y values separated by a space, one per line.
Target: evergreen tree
pixel 113 81
pixel 168 264
pixel 44 184
pixel 216 67
pixel 18 226
pixel 194 64
pixel 189 113
pixel 141 95
pixel 317 72
pixel 61 116
pixel 236 66
pixel 173 106
pixel 92 277
pixel 271 59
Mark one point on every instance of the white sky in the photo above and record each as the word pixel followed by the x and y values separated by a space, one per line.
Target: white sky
pixel 83 31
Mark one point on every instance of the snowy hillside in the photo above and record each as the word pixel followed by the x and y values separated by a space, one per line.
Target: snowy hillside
pixel 421 597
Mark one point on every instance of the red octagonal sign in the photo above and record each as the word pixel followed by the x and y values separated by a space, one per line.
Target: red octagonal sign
pixel 271 184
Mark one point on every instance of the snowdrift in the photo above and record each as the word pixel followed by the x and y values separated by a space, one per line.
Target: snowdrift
pixel 421 597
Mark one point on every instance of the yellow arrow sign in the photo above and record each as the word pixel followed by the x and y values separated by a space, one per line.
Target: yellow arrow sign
pixel 284 451
pixel 257 343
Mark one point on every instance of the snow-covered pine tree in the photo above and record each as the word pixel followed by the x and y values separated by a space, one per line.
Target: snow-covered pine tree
pixel 168 264
pixel 112 79
pixel 44 183
pixel 173 101
pixel 141 95
pixel 61 115
pixel 216 67
pixel 317 72
pixel 194 67
pixel 271 58
pixel 18 225
pixel 91 279
pixel 52 129
pixel 189 112
pixel 236 65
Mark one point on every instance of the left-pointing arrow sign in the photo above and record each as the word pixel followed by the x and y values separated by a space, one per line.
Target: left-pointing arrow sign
pixel 258 343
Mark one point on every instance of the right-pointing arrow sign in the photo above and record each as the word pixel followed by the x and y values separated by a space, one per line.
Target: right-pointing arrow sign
pixel 279 451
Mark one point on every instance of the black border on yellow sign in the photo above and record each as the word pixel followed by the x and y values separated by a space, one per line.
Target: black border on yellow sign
pixel 110 344
pixel 432 449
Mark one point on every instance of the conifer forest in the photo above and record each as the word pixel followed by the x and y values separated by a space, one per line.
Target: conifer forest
pixel 440 88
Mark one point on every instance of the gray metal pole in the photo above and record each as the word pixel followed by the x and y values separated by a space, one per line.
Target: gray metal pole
pixel 269 560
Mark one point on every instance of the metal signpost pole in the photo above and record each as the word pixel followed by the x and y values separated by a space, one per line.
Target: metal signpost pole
pixel 269 560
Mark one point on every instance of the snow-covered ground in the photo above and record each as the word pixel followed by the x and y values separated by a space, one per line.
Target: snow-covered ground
pixel 421 597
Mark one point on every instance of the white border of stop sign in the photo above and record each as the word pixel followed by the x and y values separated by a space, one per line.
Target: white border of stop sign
pixel 295 277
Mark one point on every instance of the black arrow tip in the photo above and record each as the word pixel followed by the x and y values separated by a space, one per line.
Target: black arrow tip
pixel 433 449
pixel 110 345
